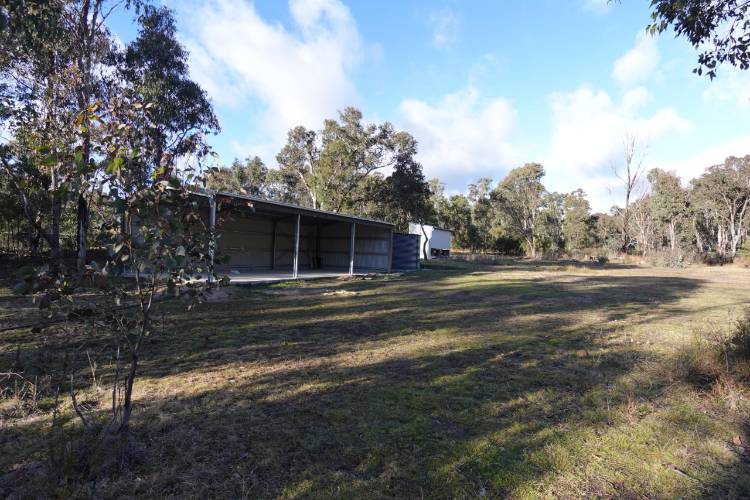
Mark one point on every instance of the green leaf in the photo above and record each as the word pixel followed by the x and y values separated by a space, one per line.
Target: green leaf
pixel 158 173
pixel 115 165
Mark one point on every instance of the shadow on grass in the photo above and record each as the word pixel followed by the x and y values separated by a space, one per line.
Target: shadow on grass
pixel 438 384
pixel 444 425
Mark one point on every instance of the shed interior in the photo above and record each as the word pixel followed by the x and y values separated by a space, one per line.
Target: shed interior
pixel 259 240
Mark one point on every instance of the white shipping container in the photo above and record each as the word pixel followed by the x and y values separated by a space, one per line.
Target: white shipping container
pixel 438 240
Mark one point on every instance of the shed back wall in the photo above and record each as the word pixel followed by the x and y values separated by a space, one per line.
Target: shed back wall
pixel 248 241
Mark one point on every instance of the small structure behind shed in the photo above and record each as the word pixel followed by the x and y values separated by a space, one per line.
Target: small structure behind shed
pixel 438 240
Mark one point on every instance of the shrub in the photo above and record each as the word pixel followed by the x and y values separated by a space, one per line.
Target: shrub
pixel 740 338
pixel 744 250
pixel 667 259
pixel 507 246
pixel 714 259
pixel 698 363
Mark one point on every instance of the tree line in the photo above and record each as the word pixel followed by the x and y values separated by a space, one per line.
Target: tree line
pixel 708 218
pixel 348 166
pixel 341 168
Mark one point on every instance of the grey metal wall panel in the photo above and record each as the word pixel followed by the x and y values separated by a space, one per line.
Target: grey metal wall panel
pixel 334 246
pixel 371 250
pixel 248 239
pixel 285 245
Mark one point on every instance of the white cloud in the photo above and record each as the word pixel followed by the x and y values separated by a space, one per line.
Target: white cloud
pixel 634 98
pixel 588 125
pixel 299 75
pixel 463 136
pixel 638 63
pixel 587 137
pixel 731 85
pixel 445 27
pixel 693 166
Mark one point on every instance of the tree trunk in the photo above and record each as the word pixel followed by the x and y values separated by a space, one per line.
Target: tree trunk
pixel 54 234
pixel 82 230
pixel 86 31
pixel 698 239
pixel 737 229
pixel 127 406
pixel 34 243
pixel 733 245
pixel 672 235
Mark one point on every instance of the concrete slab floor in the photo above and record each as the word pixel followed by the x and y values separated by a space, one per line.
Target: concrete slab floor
pixel 265 277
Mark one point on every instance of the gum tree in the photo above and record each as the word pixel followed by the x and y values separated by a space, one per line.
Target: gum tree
pixel 519 198
pixel 668 202
pixel 329 169
pixel 160 246
pixel 577 222
pixel 36 113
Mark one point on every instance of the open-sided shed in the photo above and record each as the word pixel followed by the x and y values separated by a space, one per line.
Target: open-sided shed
pixel 267 240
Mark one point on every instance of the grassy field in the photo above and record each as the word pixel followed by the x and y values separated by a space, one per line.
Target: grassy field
pixel 523 380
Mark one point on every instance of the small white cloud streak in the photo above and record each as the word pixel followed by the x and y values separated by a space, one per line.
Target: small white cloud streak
pixel 445 27
pixel 638 64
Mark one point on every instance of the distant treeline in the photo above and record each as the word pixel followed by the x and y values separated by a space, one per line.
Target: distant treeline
pixel 340 168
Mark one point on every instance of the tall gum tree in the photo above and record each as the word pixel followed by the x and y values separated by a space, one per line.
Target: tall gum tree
pixel 520 198
pixel 31 48
pixel 329 168
pixel 668 202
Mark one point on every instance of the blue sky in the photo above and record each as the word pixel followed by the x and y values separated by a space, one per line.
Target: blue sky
pixel 483 85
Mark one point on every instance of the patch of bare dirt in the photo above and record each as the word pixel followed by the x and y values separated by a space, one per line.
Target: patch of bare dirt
pixel 339 293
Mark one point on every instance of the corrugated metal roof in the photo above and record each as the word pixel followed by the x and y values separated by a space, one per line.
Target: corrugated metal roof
pixel 296 208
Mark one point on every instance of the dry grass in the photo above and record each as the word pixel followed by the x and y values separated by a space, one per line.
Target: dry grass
pixel 522 379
